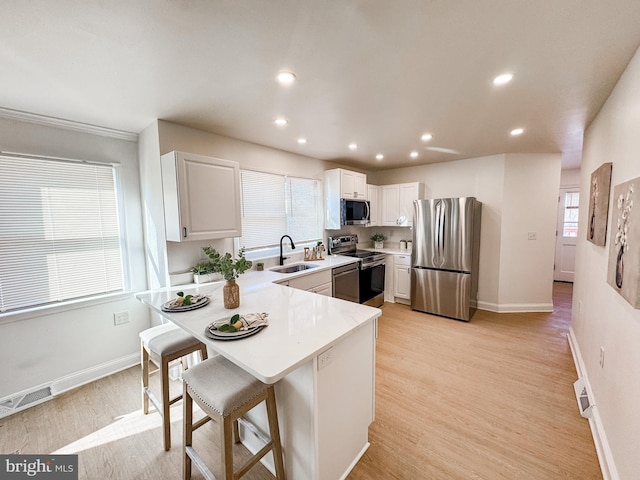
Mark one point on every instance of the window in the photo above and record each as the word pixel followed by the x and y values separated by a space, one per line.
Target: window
pixel 570 222
pixel 274 205
pixel 59 232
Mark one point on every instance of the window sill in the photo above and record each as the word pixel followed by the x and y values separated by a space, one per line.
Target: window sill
pixel 53 309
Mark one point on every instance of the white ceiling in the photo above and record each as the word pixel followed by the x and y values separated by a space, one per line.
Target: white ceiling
pixel 375 72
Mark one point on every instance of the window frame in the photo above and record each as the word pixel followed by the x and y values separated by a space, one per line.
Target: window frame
pixel 267 252
pixel 61 306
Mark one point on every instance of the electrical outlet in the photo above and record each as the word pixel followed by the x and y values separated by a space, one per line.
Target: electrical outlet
pixel 120 318
pixel 601 357
pixel 325 358
pixel 532 235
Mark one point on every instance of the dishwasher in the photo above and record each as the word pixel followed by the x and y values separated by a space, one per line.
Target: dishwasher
pixel 346 282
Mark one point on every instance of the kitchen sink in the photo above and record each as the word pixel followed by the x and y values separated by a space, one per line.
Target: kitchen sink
pixel 293 268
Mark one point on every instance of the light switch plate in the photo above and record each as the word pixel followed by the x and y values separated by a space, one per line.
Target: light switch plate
pixel 120 318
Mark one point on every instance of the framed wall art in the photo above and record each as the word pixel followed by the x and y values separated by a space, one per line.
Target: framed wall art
pixel 624 249
pixel 599 204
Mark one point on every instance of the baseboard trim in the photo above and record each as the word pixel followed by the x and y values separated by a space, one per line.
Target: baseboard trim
pixel 603 450
pixel 88 375
pixel 515 307
pixel 47 391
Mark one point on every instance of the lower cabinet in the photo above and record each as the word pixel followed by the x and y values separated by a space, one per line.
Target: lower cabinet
pixel 324 289
pixel 320 282
pixel 397 287
pixel 402 278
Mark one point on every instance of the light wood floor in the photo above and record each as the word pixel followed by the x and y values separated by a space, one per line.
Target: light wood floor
pixel 490 399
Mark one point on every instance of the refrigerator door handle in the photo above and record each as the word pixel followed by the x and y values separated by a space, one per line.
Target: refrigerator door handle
pixel 438 259
pixel 436 235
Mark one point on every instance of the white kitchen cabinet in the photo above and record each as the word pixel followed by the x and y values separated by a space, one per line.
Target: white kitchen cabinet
pixel 373 195
pixel 324 289
pixel 390 205
pixel 397 203
pixel 340 183
pixel 408 192
pixel 402 277
pixel 319 282
pixel 201 197
pixel 353 185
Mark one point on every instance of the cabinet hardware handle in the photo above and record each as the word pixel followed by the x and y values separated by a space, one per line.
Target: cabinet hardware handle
pixel 184 232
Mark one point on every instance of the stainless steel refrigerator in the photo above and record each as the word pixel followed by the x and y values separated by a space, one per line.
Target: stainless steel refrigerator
pixel 444 260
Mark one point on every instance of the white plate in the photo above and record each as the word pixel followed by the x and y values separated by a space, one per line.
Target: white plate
pixel 199 302
pixel 216 334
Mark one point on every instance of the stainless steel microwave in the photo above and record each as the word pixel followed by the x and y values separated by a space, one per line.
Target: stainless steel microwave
pixel 354 212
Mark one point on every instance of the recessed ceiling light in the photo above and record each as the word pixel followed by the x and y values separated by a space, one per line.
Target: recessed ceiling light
pixel 280 121
pixel 302 141
pixel 426 137
pixel 353 146
pixel 379 156
pixel 503 79
pixel 414 154
pixel 286 78
pixel 517 131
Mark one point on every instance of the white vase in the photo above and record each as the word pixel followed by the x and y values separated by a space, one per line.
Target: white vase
pixel 378 245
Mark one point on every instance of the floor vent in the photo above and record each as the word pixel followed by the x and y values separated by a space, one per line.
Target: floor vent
pixel 24 400
pixel 582 396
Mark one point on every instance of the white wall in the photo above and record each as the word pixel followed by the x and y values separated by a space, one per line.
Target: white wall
pixel 530 205
pixel 76 344
pixel 570 178
pixel 162 137
pixel 512 205
pixel 601 317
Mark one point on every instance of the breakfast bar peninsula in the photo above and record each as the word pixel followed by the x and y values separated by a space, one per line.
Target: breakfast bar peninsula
pixel 320 353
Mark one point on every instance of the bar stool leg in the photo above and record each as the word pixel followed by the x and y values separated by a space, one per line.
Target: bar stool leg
pixel 145 379
pixel 272 415
pixel 226 435
pixel 166 422
pixel 187 404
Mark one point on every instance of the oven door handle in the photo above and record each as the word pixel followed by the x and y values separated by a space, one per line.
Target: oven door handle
pixel 366 266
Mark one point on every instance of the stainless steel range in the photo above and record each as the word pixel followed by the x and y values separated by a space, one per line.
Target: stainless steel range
pixel 371 269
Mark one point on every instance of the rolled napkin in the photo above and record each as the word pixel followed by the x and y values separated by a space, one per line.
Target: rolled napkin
pixel 249 321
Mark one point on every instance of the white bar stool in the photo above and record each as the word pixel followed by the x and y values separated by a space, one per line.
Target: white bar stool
pixel 162 345
pixel 225 392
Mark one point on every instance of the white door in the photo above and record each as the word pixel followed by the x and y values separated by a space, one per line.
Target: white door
pixel 567 233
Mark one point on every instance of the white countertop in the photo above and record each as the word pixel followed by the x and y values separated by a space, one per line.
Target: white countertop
pixel 301 324
pixel 254 277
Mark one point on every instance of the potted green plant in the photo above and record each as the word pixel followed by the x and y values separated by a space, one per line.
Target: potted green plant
pixel 230 270
pixel 378 239
pixel 203 272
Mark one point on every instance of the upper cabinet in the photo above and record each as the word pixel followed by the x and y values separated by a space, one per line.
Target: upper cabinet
pixel 201 197
pixel 373 195
pixel 390 205
pixel 397 203
pixel 353 185
pixel 340 183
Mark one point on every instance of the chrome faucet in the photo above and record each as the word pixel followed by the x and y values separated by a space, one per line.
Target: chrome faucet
pixel 293 247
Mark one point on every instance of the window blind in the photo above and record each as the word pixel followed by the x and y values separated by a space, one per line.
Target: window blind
pixel 59 232
pixel 273 205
